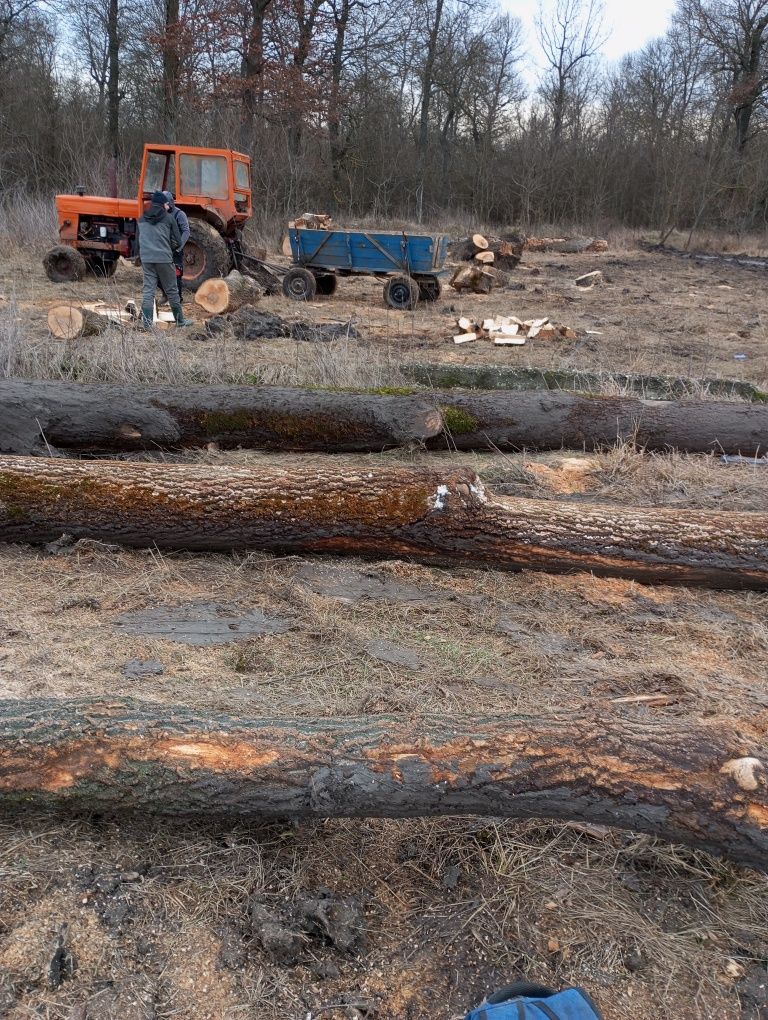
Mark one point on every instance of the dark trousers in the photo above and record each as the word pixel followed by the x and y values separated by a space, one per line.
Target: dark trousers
pixel 158 274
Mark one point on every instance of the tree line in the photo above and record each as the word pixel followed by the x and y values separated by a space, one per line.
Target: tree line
pixel 423 110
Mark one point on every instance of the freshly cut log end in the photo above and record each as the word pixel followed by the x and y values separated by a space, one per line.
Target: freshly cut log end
pixel 686 781
pixel 480 242
pixel 67 322
pixel 485 257
pixel 436 515
pixel 227 294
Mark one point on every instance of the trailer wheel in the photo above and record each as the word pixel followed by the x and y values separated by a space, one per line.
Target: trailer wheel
pixel 326 283
pixel 206 254
pixel 429 289
pixel 299 284
pixel 401 292
pixel 64 264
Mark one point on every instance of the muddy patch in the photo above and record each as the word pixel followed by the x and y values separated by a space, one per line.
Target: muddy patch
pixel 349 585
pixel 201 623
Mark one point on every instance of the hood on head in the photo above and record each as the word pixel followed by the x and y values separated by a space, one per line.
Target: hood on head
pixel 155 213
pixel 168 196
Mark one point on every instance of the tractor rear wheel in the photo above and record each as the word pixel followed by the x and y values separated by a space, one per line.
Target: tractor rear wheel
pixel 64 264
pixel 299 284
pixel 401 292
pixel 206 254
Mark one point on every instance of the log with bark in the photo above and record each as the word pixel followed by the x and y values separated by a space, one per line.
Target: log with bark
pixel 700 783
pixel 38 416
pixel 68 322
pixel 551 419
pixel 505 252
pixel 437 515
pixel 227 294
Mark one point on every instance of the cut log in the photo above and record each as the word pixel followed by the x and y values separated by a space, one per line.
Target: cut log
pixel 440 516
pixel 68 322
pixel 227 294
pixel 553 419
pixel 479 242
pixel 90 419
pixel 699 783
pixel 486 257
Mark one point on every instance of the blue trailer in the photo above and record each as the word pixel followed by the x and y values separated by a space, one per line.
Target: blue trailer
pixel 411 263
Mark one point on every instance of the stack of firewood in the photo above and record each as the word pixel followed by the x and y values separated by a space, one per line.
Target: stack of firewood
pixel 510 331
pixel 313 221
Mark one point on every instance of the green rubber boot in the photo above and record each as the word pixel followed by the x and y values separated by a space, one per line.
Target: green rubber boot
pixel 178 315
pixel 147 312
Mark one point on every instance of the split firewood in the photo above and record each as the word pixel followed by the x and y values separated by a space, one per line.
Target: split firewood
pixel 464 338
pixel 464 324
pixel 662 774
pixel 228 294
pixel 439 515
pixel 589 280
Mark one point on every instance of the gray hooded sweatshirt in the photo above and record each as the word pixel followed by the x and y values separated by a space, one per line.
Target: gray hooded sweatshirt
pixel 159 236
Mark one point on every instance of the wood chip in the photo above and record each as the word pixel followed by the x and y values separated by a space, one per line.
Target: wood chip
pixel 652 700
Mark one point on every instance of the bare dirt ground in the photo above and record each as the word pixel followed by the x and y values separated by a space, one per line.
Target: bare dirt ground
pixel 147 919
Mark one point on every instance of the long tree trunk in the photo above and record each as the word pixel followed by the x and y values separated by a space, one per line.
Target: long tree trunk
pixel 552 419
pixel 113 81
pixel 440 516
pixel 689 782
pixel 252 72
pixel 103 419
pixel 171 68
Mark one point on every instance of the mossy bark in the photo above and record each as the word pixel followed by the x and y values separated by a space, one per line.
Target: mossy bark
pixel 552 419
pixel 437 515
pixel 37 416
pixel 689 782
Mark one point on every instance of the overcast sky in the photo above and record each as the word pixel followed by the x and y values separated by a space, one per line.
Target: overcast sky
pixel 630 22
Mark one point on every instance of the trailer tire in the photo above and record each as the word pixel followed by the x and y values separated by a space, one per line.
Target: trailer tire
pixel 299 284
pixel 64 264
pixel 206 254
pixel 326 283
pixel 401 293
pixel 429 289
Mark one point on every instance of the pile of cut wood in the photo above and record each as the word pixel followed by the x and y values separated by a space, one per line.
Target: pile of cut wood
pixel 509 331
pixel 313 221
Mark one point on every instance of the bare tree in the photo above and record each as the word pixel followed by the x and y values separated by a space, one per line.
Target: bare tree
pixel 571 36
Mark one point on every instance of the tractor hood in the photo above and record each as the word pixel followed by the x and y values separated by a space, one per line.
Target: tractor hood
pixel 97 205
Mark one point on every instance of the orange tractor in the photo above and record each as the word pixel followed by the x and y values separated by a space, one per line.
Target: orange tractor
pixel 212 186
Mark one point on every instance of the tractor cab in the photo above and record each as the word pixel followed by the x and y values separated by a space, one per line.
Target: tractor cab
pixel 212 186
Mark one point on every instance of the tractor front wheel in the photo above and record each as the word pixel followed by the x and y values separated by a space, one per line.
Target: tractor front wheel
pixel 206 254
pixel 64 264
pixel 299 284
pixel 103 268
pixel 401 292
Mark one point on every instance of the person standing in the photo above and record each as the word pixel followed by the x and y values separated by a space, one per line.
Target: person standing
pixel 158 239
pixel 182 222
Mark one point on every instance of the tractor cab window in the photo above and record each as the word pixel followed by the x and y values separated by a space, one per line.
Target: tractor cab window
pixel 203 175
pixel 242 182
pixel 160 173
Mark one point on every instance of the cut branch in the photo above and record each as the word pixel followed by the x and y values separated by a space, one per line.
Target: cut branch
pixel 441 516
pixel 104 419
pixel 688 782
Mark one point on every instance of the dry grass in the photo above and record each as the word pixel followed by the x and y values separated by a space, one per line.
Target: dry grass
pixel 453 907
pixel 27 223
